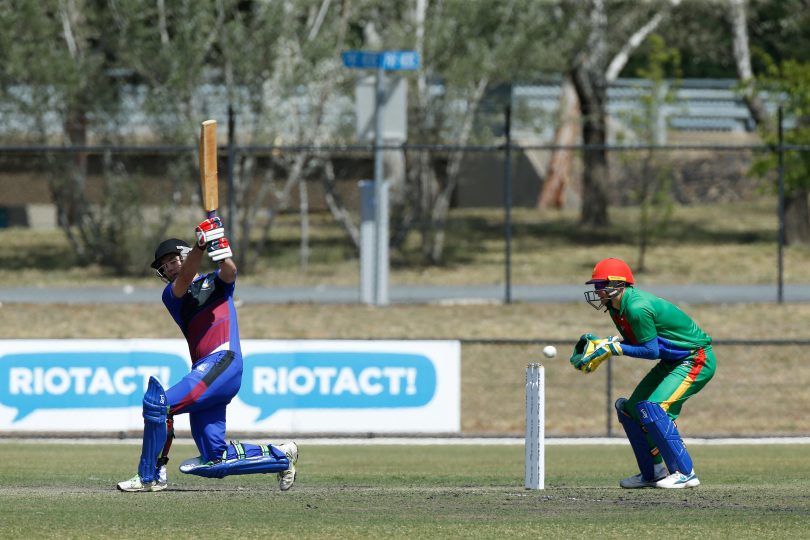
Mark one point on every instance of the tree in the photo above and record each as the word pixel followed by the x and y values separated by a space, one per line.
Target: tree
pixel 790 80
pixel 280 95
pixel 591 69
pixel 470 47
pixel 797 211
pixel 651 174
pixel 58 63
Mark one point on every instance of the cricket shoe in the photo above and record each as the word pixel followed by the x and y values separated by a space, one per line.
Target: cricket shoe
pixel 678 480
pixel 192 463
pixel 286 479
pixel 637 481
pixel 135 484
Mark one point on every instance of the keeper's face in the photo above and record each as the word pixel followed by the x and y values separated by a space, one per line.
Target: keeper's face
pixel 603 291
pixel 170 265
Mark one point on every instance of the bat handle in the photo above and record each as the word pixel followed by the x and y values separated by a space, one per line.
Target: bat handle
pixel 212 213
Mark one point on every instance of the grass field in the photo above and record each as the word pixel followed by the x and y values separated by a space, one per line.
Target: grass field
pixel 67 491
pixel 50 490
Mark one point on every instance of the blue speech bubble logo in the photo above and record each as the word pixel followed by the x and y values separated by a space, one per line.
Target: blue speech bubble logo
pixel 88 380
pixel 336 380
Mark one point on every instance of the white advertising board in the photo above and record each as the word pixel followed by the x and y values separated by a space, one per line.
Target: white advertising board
pixel 287 386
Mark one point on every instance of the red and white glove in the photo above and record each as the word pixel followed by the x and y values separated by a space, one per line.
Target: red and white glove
pixel 208 230
pixel 219 249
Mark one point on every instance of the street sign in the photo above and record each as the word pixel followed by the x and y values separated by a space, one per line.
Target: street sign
pixel 387 60
pixel 380 61
pixel 394 109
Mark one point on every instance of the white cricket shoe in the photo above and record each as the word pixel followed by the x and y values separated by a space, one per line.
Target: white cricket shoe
pixel 134 484
pixel 637 481
pixel 286 479
pixel 191 464
pixel 678 480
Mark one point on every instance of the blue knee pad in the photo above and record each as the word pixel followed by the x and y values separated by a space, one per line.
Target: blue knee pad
pixel 155 415
pixel 638 441
pixel 243 458
pixel 665 435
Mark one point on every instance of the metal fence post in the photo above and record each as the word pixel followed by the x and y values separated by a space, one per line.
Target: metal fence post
pixel 229 166
pixel 780 294
pixel 507 204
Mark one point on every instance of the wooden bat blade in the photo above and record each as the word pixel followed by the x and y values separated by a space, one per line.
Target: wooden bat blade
pixel 208 166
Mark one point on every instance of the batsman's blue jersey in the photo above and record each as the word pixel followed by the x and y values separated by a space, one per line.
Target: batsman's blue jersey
pixel 206 316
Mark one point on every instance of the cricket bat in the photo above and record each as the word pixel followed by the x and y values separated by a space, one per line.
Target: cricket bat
pixel 208 167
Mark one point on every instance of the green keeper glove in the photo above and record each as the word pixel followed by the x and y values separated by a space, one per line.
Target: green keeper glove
pixel 587 344
pixel 604 349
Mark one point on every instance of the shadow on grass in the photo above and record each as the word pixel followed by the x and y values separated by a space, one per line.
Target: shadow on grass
pixel 468 237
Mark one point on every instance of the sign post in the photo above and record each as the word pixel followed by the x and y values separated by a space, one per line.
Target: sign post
pixel 380 61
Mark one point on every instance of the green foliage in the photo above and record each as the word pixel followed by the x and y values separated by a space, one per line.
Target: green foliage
pixel 790 82
pixel 653 174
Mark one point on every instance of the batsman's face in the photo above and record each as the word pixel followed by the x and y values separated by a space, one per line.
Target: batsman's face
pixel 170 265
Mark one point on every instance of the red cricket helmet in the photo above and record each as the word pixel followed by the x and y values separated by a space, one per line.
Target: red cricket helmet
pixel 609 277
pixel 611 270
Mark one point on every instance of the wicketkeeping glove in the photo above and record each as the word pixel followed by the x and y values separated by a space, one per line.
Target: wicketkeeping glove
pixel 603 350
pixel 219 249
pixel 208 230
pixel 587 344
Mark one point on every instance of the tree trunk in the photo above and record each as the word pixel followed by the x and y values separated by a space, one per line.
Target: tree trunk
pixel 797 217
pixel 742 60
pixel 592 92
pixel 559 166
pixel 303 206
pixel 590 83
pixel 591 74
pixel 441 206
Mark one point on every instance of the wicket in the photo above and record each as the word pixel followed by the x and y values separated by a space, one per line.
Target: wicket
pixel 534 477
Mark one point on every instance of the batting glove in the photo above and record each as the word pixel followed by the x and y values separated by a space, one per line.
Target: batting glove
pixel 220 249
pixel 209 230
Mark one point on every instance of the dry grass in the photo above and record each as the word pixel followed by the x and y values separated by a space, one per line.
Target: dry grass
pixel 313 321
pixel 729 243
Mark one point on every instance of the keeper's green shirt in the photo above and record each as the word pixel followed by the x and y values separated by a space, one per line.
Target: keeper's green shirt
pixel 643 317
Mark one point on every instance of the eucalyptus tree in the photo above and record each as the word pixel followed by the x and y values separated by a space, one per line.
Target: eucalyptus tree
pixel 601 37
pixel 59 76
pixel 278 65
pixel 467 49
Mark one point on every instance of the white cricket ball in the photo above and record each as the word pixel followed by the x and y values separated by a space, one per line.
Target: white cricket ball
pixel 550 351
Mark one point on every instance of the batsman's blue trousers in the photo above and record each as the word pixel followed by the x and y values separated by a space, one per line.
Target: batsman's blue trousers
pixel 204 394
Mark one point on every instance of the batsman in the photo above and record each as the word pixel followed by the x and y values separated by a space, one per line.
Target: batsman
pixel 654 329
pixel 203 308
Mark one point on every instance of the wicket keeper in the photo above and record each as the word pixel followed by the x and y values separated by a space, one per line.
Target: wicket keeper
pixel 654 329
pixel 203 308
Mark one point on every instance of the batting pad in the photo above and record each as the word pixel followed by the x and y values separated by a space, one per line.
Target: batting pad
pixel 155 413
pixel 242 458
pixel 638 441
pixel 665 435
